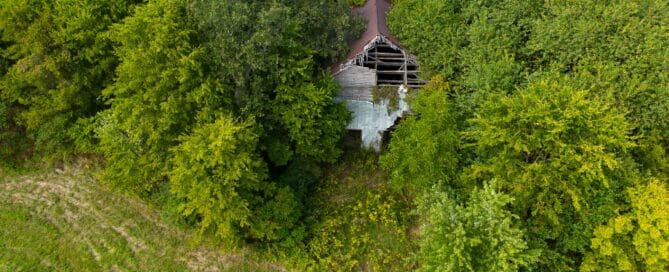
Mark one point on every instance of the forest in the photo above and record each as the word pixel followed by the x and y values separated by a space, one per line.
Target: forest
pixel 539 143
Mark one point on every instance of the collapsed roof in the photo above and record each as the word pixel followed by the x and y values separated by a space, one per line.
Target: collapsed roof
pixel 378 49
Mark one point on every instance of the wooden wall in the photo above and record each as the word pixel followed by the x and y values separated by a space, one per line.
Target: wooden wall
pixel 356 83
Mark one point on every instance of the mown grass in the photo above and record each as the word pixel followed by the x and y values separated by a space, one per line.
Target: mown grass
pixel 34 244
pixel 67 221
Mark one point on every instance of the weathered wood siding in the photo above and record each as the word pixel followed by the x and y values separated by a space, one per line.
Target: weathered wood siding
pixel 356 83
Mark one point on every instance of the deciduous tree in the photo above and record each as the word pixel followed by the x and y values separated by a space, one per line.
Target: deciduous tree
pixel 61 59
pixel 560 153
pixel 635 240
pixel 480 235
pixel 424 149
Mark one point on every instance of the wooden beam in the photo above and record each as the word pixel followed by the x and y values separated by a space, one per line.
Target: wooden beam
pixel 392 72
pixel 388 58
pixel 416 81
pixel 405 67
pixel 384 45
pixel 390 81
pixel 381 54
pixel 376 63
pixel 384 63
pixel 412 81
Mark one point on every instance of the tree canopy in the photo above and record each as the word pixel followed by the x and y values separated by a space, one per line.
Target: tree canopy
pixel 563 104
pixel 636 240
pixel 171 93
pixel 429 138
pixel 478 236
pixel 58 59
pixel 540 143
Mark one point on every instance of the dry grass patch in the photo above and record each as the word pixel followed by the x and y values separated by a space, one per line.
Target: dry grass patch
pixel 66 220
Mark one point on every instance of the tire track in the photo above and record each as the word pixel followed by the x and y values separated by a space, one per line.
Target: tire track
pixel 111 226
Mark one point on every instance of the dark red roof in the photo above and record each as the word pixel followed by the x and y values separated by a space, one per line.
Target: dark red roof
pixel 374 11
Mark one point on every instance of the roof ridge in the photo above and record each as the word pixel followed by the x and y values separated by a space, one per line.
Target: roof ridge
pixel 379 25
pixel 375 11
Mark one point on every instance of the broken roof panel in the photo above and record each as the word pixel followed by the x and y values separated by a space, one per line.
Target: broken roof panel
pixel 374 11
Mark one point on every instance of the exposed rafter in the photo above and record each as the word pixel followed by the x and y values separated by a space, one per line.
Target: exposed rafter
pixel 379 50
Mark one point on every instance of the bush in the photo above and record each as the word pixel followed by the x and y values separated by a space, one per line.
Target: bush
pixel 357 222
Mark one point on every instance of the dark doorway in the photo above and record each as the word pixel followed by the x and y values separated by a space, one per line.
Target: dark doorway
pixel 353 139
pixel 388 134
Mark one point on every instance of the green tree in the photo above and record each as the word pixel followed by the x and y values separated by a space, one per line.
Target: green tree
pixel 466 41
pixel 477 46
pixel 287 91
pixel 153 100
pixel 478 236
pixel 219 176
pixel 188 63
pixel 424 149
pixel 60 61
pixel 566 163
pixel 560 153
pixel 614 48
pixel 189 66
pixel 618 49
pixel 432 29
pixel 215 168
pixel 636 240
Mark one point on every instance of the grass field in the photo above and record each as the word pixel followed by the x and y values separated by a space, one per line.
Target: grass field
pixel 66 221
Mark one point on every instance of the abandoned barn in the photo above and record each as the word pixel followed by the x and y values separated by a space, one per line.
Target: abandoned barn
pixel 375 78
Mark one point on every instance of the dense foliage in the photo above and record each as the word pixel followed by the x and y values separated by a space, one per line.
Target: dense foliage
pixel 480 236
pixel 216 100
pixel 358 221
pixel 56 59
pixel 541 142
pixel 558 153
pixel 232 92
pixel 431 141
pixel 637 238
pixel 563 104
